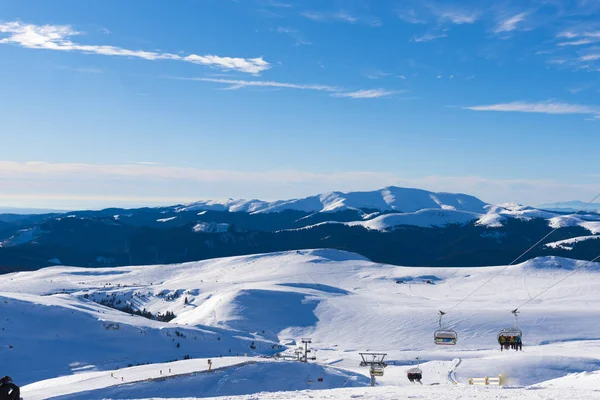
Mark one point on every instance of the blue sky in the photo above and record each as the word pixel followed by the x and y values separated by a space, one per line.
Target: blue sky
pixel 127 103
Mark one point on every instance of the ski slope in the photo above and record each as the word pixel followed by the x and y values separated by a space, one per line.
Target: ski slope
pixel 264 304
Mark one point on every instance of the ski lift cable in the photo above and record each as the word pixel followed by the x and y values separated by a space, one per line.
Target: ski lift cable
pixel 522 255
pixel 559 281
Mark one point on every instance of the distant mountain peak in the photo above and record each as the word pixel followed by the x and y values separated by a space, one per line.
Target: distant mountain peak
pixel 390 198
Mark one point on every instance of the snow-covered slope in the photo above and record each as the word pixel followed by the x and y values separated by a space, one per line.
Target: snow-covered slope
pixel 228 375
pixel 54 325
pixel 386 199
pixel 567 244
pixel 494 217
pixel 423 218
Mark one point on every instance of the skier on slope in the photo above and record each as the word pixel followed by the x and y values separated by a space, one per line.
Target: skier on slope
pixel 8 390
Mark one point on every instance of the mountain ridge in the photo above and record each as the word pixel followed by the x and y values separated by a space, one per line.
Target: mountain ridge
pixel 391 198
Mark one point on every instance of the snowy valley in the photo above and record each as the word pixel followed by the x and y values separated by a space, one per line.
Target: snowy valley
pixel 74 333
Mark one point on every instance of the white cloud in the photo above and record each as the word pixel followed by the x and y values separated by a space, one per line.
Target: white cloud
pixel 56 37
pixel 542 107
pixel 510 24
pixel 366 94
pixel 428 37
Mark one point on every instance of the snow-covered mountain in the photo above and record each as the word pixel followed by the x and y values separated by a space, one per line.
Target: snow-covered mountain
pixel 55 324
pixel 387 199
pixel 392 225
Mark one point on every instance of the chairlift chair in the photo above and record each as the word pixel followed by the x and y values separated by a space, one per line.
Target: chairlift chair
pixel 377 371
pixel 511 333
pixel 414 374
pixel 443 336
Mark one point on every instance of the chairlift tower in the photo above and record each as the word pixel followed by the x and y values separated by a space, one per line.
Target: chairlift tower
pixel 305 357
pixel 298 352
pixel 375 363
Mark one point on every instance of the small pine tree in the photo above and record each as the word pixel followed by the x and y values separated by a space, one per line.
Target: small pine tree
pixel 178 345
pixel 185 300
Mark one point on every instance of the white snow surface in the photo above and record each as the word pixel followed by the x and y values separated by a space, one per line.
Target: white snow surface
pixel 166 219
pixel 493 218
pixel 424 218
pixel 567 244
pixel 62 344
pixel 211 227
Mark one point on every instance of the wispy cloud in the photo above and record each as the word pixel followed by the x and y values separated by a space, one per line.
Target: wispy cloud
pixel 571 34
pixel 294 34
pixel 238 84
pixel 541 107
pixel 366 94
pixel 410 16
pixel 590 57
pixel 342 16
pixel 510 24
pixel 376 74
pixel 57 37
pixel 89 70
pixel 84 70
pixel 579 42
pixel 456 16
pixel 428 37
pixel 278 4
pixel 235 84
